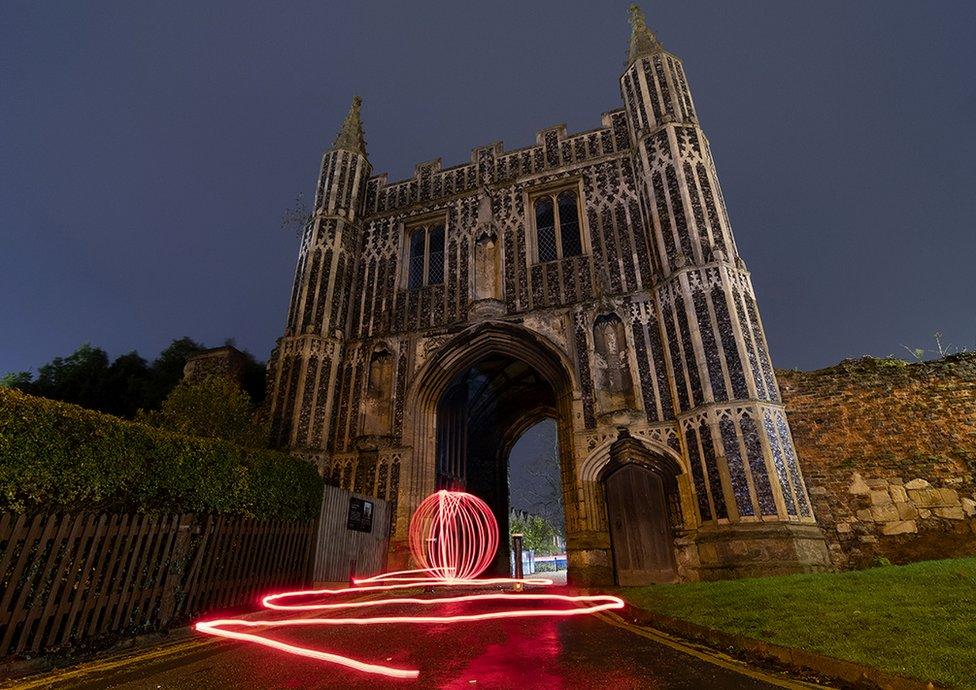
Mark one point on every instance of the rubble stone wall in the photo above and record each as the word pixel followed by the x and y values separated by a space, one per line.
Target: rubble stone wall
pixel 220 361
pixel 889 453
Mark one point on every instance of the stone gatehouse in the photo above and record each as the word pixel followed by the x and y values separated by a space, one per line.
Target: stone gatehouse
pixel 591 278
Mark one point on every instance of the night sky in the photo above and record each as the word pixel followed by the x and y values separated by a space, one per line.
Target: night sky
pixel 149 151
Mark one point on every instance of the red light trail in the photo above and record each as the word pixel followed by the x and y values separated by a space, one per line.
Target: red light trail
pixel 454 537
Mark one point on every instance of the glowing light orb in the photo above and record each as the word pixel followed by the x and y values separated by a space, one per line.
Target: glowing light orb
pixel 453 535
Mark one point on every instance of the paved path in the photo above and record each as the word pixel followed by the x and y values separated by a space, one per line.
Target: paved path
pixel 599 651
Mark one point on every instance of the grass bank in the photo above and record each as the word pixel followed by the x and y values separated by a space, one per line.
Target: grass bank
pixel 915 620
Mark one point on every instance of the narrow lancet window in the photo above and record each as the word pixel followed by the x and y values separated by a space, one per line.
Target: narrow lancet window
pixel 417 241
pixel 569 229
pixel 545 226
pixel 426 260
pixel 435 255
pixel 557 226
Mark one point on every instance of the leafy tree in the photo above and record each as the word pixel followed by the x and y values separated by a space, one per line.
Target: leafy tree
pixel 214 407
pixel 542 492
pixel 253 379
pixel 167 370
pixel 538 534
pixel 76 378
pixel 21 380
pixel 125 386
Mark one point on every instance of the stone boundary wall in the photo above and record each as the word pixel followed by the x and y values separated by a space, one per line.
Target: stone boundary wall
pixel 889 452
pixel 218 361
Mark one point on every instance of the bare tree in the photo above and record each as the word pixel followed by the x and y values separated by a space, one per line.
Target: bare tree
pixel 298 217
pixel 544 490
pixel 943 350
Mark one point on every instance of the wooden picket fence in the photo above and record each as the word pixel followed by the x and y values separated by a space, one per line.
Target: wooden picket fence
pixel 72 579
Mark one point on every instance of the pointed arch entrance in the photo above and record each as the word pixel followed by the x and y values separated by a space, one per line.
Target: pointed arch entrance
pixel 479 417
pixel 469 404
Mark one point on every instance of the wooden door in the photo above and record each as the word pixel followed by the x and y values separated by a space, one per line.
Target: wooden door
pixel 640 536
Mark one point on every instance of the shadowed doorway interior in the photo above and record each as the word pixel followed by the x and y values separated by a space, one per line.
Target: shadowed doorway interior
pixel 480 416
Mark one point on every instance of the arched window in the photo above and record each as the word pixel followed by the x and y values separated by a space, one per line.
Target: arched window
pixel 545 228
pixel 569 230
pixel 557 226
pixel 426 261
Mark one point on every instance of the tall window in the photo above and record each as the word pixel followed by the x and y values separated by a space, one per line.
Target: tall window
pixel 426 265
pixel 557 226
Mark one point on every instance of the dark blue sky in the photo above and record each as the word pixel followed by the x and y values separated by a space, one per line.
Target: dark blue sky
pixel 148 150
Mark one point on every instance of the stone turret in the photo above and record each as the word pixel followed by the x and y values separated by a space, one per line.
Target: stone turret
pixel 751 502
pixel 304 364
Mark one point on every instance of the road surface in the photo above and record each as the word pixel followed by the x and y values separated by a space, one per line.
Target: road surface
pixel 598 651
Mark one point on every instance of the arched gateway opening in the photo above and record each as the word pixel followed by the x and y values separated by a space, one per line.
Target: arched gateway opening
pixel 471 402
pixel 535 495
pixel 481 415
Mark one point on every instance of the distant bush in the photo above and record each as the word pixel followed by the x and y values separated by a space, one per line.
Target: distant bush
pixel 537 533
pixel 57 457
pixel 214 407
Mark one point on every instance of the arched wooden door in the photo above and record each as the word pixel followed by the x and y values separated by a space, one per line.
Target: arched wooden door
pixel 640 535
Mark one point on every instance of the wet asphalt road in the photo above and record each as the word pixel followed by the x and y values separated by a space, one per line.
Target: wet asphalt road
pixel 579 652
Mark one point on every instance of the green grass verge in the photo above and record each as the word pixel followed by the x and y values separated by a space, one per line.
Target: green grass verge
pixel 915 620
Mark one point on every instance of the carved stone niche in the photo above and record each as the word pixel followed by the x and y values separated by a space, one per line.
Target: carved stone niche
pixel 614 384
pixel 377 405
pixel 486 301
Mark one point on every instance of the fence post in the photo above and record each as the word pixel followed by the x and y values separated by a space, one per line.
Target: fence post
pixel 312 536
pixel 175 570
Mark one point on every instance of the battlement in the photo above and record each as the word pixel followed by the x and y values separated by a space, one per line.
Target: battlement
pixel 555 148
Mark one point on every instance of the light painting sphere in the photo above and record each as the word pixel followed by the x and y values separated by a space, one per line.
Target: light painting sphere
pixel 453 535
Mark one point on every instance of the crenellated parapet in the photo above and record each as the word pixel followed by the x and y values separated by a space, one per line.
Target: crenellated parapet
pixel 554 149
pixel 497 189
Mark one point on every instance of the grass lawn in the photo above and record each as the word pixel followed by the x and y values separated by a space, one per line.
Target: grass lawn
pixel 916 620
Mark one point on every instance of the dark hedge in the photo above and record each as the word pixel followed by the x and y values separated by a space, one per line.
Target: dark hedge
pixel 57 457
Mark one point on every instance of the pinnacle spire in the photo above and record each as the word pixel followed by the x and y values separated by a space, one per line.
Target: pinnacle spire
pixel 350 135
pixel 643 42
